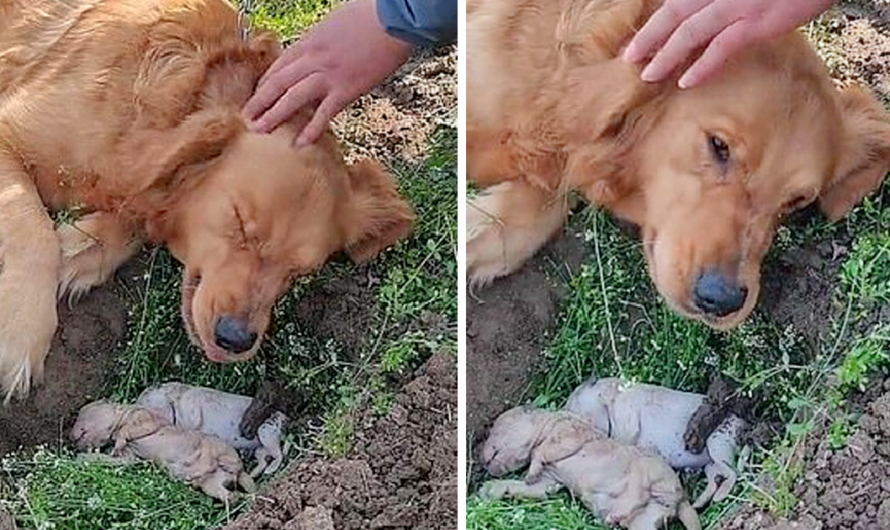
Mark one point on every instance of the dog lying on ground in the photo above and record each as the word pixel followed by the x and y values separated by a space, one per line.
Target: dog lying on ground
pixel 127 112
pixel 621 484
pixel 200 460
pixel 707 173
pixel 219 414
pixel 656 418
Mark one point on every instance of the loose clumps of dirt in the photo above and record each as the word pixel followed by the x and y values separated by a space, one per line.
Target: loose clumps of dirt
pixel 395 120
pixel 844 489
pixel 402 472
pixel 343 309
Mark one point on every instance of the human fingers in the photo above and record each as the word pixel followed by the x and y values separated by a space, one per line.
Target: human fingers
pixel 269 92
pixel 320 120
pixel 660 26
pixel 308 90
pixel 724 45
pixel 690 35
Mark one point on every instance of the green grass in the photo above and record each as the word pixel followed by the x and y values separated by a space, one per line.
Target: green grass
pixel 417 279
pixel 614 323
pixel 288 17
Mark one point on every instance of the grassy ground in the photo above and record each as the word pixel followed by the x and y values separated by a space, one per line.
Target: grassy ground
pixel 614 323
pixel 53 489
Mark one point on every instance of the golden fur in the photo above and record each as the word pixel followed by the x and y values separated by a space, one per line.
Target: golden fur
pixel 551 108
pixel 129 112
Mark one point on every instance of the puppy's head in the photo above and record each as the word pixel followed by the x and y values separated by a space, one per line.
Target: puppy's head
pixel 96 424
pixel 709 173
pixel 592 400
pixel 247 214
pixel 512 439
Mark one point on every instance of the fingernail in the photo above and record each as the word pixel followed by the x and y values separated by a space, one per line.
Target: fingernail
pixel 686 81
pixel 300 142
pixel 259 126
pixel 630 53
pixel 649 74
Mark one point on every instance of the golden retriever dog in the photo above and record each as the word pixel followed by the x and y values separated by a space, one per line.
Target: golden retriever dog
pixel 128 113
pixel 706 173
pixel 621 484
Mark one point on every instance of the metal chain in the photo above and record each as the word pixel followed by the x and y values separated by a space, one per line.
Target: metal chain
pixel 244 14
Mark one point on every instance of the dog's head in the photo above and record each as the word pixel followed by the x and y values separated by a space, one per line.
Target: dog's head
pixel 709 173
pixel 95 424
pixel 247 213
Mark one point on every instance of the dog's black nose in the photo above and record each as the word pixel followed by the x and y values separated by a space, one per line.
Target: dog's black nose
pixel 232 335
pixel 718 295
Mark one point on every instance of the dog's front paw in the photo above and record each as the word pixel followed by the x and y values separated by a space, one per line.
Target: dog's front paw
pixel 507 224
pixel 487 252
pixel 28 321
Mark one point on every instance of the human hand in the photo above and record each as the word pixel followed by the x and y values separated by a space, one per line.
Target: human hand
pixel 336 61
pixel 680 27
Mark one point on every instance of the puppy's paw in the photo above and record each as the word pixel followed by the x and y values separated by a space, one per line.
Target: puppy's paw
pixel 493 490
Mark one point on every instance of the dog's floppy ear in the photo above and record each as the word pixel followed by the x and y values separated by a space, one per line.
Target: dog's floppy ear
pixel 562 438
pixel 135 424
pixel 378 216
pixel 168 162
pixel 865 153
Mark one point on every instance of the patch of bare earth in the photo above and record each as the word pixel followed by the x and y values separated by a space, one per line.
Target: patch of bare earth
pixel 395 120
pixel 402 472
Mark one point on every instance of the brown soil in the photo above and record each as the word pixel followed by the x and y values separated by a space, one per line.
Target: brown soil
pixel 395 121
pixel 846 489
pixel 797 285
pixel 88 335
pixel 402 472
pixel 343 309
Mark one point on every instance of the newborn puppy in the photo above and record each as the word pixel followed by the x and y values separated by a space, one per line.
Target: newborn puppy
pixel 218 413
pixel 621 484
pixel 200 460
pixel 656 418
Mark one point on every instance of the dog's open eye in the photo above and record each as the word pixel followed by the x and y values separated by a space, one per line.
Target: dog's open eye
pixel 719 149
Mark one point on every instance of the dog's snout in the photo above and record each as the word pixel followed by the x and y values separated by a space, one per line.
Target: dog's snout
pixel 718 295
pixel 233 335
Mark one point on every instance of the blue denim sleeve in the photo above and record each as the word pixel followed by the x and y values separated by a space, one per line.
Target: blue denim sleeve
pixel 420 22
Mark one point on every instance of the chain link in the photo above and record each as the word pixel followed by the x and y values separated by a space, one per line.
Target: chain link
pixel 245 13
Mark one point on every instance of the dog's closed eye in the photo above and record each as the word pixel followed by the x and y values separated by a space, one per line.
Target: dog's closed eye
pixel 796 203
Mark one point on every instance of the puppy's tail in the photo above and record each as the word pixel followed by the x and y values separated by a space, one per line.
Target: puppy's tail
pixel 246 482
pixel 688 516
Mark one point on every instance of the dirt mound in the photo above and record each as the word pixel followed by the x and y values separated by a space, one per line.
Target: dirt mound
pixel 80 357
pixel 845 489
pixel 402 472
pixel 343 309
